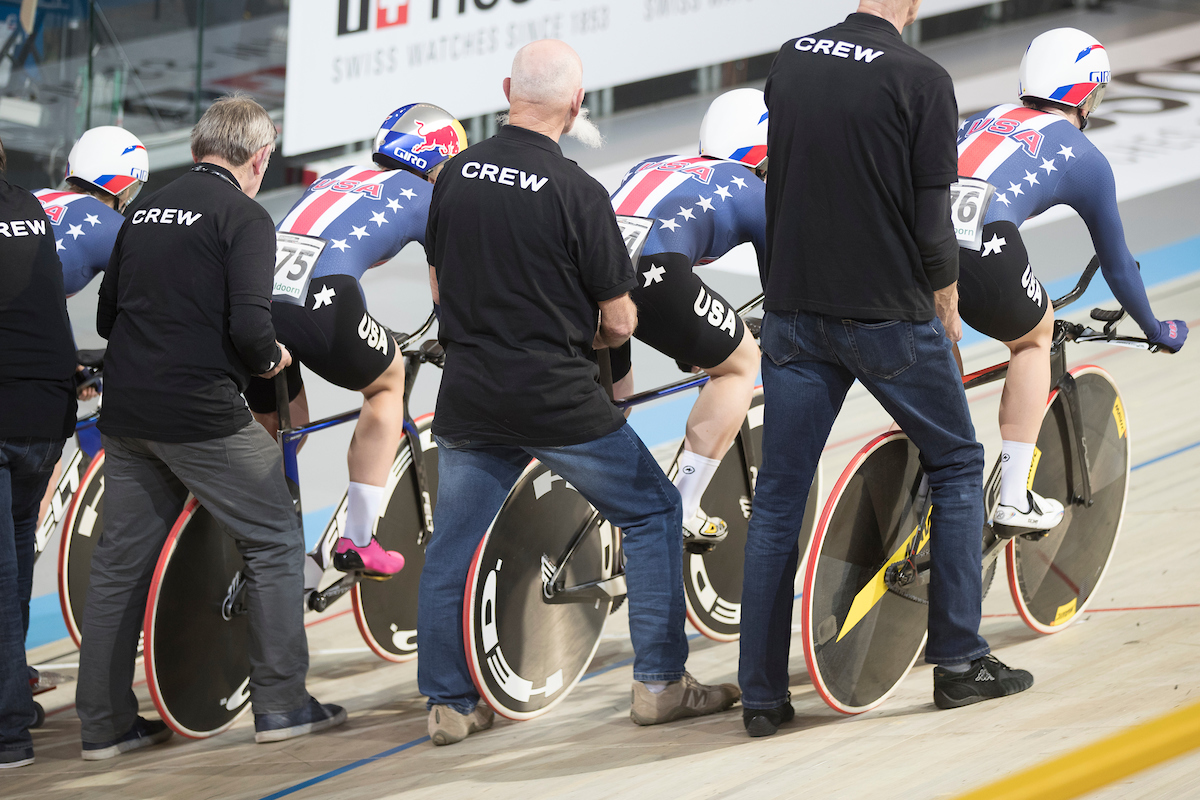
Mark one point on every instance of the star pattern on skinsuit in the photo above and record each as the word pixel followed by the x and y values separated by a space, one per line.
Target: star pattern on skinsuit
pixel 394 205
pixel 1048 165
pixel 1032 178
pixel 705 204
pixel 324 297
pixel 378 218
pixel 339 244
pixel 1066 152
pixel 409 194
pixel 1016 189
pixel 653 275
pixel 994 246
pixel 359 232
pixel 741 183
pixel 724 193
pixel 75 231
pixel 92 220
pixel 669 224
pixel 686 213
pixel 1003 198
pixel 58 245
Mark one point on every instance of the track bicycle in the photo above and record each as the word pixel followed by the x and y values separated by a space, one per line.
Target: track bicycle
pixel 864 613
pixel 197 631
pixel 549 571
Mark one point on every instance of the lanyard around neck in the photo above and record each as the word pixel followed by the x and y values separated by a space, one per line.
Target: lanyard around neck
pixel 221 175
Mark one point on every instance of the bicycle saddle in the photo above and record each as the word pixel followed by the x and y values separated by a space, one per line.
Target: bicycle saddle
pixel 90 358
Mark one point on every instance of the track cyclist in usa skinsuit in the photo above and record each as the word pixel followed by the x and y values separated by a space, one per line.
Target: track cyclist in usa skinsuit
pixel 701 207
pixel 365 215
pixel 1036 156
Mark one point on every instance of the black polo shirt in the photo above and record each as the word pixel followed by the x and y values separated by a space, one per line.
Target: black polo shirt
pixel 525 244
pixel 37 352
pixel 859 122
pixel 185 306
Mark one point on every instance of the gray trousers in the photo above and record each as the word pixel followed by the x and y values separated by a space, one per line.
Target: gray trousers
pixel 239 480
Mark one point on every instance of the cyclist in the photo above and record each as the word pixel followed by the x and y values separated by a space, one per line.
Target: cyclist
pixel 702 206
pixel 366 215
pixel 1036 156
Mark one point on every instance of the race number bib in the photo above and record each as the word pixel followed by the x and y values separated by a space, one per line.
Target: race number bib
pixel 295 258
pixel 969 201
pixel 635 231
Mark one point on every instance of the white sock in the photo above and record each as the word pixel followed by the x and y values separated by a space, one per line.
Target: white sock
pixel 1016 458
pixel 362 507
pixel 695 473
pixel 655 687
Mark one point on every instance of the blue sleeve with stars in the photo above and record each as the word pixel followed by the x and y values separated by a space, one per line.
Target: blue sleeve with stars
pixel 84 238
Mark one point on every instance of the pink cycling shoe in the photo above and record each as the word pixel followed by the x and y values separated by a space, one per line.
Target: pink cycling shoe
pixel 372 559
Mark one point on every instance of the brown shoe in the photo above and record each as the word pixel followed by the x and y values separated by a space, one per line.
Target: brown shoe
pixel 447 726
pixel 682 698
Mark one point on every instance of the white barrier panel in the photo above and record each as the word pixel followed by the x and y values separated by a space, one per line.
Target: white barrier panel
pixel 351 62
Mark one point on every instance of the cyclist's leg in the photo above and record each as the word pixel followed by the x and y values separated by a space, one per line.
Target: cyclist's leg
pixel 260 396
pixel 910 368
pixel 142 499
pixel 48 495
pixel 239 480
pixel 472 484
pixel 806 386
pixel 621 361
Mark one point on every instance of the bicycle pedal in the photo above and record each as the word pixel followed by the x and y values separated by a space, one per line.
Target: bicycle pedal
pixel 1035 536
pixel 374 576
pixel 699 548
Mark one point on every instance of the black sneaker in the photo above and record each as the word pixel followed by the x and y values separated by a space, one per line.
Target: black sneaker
pixel 10 759
pixel 308 718
pixel 144 733
pixel 987 679
pixel 766 721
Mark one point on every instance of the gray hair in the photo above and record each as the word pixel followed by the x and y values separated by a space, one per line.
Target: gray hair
pixel 234 128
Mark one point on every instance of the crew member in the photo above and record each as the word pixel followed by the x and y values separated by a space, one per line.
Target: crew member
pixel 37 395
pixel 1031 157
pixel 185 305
pixel 531 271
pixel 365 215
pixel 701 207
pixel 860 284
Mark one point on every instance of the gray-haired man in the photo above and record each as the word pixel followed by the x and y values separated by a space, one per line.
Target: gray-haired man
pixel 185 305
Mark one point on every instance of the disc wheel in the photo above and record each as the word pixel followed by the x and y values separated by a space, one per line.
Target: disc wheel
pixel 82 529
pixel 386 611
pixel 1053 578
pixel 860 639
pixel 197 631
pixel 712 581
pixel 525 655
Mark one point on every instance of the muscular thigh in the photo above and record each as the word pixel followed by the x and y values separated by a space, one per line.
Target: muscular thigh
pixel 999 295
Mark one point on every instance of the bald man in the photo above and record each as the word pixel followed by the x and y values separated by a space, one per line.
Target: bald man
pixel 532 276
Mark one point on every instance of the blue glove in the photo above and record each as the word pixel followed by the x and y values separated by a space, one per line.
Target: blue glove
pixel 1171 335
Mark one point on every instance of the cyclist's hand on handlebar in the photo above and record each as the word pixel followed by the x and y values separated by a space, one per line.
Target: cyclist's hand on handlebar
pixel 1171 335
pixel 945 301
pixel 285 360
pixel 87 392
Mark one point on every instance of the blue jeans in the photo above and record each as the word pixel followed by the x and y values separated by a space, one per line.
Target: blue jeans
pixel 809 363
pixel 25 467
pixel 619 476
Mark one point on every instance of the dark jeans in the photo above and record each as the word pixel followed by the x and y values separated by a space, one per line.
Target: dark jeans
pixel 25 467
pixel 619 476
pixel 239 480
pixel 809 363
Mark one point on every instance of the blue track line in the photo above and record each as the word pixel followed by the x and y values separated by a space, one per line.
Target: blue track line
pixel 1165 456
pixel 340 770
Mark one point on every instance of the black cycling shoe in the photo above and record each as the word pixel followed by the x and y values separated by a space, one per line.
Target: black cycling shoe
pixel 144 733
pixel 308 718
pixel 987 679
pixel 766 721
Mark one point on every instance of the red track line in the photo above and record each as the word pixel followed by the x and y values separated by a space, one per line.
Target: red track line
pixel 1104 610
pixel 326 618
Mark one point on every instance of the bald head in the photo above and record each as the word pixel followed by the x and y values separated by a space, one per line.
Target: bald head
pixel 545 89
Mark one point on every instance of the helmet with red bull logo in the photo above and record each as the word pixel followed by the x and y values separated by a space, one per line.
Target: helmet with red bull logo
pixel 1065 66
pixel 735 128
pixel 109 159
pixel 418 137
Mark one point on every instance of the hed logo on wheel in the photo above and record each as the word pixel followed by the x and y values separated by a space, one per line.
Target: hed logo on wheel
pixel 356 16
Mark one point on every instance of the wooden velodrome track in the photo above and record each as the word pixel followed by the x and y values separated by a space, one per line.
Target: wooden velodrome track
pixel 1131 658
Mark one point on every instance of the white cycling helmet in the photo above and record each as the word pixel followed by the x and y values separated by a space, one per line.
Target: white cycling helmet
pixel 111 159
pixel 1065 66
pixel 735 128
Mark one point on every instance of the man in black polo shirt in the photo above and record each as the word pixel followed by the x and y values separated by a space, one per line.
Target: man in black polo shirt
pixel 527 263
pixel 37 414
pixel 860 279
pixel 185 306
